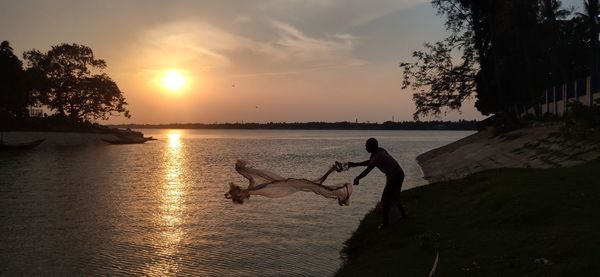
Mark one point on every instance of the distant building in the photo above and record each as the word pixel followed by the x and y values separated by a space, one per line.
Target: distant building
pixel 585 91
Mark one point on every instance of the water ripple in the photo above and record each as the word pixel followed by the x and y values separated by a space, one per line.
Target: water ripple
pixel 158 209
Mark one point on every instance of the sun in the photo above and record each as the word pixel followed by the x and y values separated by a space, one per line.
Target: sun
pixel 173 80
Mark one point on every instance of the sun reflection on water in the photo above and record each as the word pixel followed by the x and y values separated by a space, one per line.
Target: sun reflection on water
pixel 172 193
pixel 174 139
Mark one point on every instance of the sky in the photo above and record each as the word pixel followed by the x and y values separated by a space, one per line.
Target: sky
pixel 242 60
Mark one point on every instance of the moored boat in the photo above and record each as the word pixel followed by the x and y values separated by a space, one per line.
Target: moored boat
pixel 128 140
pixel 21 146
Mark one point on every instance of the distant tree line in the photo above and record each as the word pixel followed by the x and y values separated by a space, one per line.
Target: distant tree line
pixel 388 125
pixel 504 53
pixel 68 81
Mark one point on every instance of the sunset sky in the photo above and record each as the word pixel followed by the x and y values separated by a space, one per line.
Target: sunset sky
pixel 246 60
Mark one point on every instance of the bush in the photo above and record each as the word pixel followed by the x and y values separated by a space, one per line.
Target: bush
pixel 528 117
pixel 550 117
pixel 581 121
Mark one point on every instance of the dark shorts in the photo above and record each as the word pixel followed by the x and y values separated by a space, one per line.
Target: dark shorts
pixel 391 192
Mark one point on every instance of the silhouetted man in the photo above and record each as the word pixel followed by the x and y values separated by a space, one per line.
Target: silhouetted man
pixel 393 173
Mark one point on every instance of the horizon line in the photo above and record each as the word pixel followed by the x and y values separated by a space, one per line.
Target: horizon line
pixel 298 122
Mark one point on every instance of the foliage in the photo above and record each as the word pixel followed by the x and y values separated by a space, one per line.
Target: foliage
pixel 13 93
pixel 438 81
pixel 591 19
pixel 438 78
pixel 75 85
pixel 508 51
pixel 582 122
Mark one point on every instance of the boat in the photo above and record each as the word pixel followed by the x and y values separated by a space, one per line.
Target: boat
pixel 21 146
pixel 129 140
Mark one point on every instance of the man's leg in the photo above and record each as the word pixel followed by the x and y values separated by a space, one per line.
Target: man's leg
pixel 401 208
pixel 399 198
pixel 386 202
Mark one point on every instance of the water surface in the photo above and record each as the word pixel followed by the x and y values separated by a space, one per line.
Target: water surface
pixel 158 208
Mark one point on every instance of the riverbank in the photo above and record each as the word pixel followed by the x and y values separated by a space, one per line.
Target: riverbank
pixel 530 147
pixel 61 132
pixel 58 139
pixel 501 222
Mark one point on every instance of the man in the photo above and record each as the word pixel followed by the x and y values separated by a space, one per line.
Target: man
pixel 394 177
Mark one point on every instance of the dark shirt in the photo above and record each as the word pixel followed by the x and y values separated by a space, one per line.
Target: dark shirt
pixel 386 163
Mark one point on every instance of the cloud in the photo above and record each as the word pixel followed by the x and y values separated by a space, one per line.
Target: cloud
pixel 335 13
pixel 242 19
pixel 202 46
pixel 291 45
pixel 186 44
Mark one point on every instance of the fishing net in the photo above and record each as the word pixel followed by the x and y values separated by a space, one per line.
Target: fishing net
pixel 269 184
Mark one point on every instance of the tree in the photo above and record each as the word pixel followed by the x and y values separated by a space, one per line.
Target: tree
pixel 444 74
pixel 591 17
pixel 13 93
pixel 438 81
pixel 75 86
pixel 500 46
pixel 550 16
pixel 510 51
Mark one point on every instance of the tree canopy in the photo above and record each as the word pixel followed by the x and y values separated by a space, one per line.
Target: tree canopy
pixel 13 92
pixel 74 84
pixel 502 53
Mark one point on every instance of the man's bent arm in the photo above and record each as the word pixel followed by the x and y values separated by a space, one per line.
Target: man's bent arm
pixel 363 174
pixel 365 163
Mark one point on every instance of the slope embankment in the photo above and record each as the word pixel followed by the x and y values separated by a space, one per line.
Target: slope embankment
pixel 524 203
pixel 501 222
pixel 532 147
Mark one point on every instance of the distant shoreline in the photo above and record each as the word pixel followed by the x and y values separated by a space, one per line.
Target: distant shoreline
pixel 462 125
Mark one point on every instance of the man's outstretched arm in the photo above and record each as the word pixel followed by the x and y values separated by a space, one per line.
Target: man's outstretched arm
pixel 363 174
pixel 365 163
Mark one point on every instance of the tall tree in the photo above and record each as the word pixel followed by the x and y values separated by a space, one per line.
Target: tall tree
pixel 552 38
pixel 444 73
pixel 504 46
pixel 439 80
pixel 509 52
pixel 591 17
pixel 76 85
pixel 13 93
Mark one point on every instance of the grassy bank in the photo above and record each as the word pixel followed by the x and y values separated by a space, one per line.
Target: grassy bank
pixel 505 222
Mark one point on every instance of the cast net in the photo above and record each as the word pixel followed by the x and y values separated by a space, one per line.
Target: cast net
pixel 269 184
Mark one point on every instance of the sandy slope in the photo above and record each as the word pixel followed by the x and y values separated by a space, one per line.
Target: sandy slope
pixel 531 147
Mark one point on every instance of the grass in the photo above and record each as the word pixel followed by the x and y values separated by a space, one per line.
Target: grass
pixel 506 222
